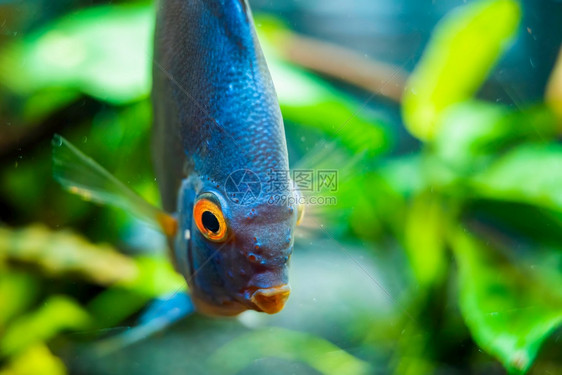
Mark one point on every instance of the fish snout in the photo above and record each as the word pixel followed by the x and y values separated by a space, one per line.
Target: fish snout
pixel 271 300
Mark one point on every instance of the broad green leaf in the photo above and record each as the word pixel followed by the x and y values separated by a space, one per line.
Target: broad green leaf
pixel 469 132
pixel 405 174
pixel 553 95
pixel 101 51
pixel 531 173
pixel 525 222
pixel 424 239
pixel 36 360
pixel 463 49
pixel 361 212
pixel 114 305
pixel 65 253
pixel 318 353
pixel 310 102
pixel 412 355
pixel 154 278
pixel 42 103
pixel 58 313
pixel 370 212
pixel 105 52
pixel 509 313
pixel 17 292
pixel 132 281
pixel 472 132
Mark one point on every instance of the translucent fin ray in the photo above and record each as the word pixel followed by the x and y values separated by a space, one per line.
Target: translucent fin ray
pixel 81 175
pixel 326 156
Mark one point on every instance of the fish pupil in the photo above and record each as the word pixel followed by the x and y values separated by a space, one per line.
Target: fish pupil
pixel 210 221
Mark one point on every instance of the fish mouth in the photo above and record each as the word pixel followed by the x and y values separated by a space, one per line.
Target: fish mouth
pixel 267 300
pixel 271 300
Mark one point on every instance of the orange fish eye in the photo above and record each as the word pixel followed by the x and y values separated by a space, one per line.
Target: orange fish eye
pixel 210 220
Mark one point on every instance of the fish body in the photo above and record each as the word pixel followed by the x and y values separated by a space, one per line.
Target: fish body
pixel 218 131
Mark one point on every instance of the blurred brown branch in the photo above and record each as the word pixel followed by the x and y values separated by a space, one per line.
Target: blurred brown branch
pixel 345 65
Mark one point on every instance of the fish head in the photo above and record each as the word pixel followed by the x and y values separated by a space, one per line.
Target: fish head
pixel 236 255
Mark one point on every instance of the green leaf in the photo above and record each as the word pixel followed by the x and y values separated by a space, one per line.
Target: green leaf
pixel 531 173
pixel 114 305
pixel 57 314
pixel 17 291
pixel 36 360
pixel 553 94
pixel 463 49
pixel 155 277
pixel 132 281
pixel 472 132
pixel 105 52
pixel 404 174
pixel 424 239
pixel 101 51
pixel 310 102
pixel 42 103
pixel 468 133
pixel 318 353
pixel 509 313
pixel 63 253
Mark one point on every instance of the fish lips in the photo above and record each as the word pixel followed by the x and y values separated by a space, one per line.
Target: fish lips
pixel 269 300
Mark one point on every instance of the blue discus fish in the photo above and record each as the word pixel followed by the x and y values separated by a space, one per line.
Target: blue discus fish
pixel 218 122
pixel 218 135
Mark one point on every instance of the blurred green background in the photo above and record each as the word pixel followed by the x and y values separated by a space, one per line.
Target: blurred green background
pixel 442 256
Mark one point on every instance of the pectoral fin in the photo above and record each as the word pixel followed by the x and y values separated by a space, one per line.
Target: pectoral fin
pixel 81 175
pixel 160 315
